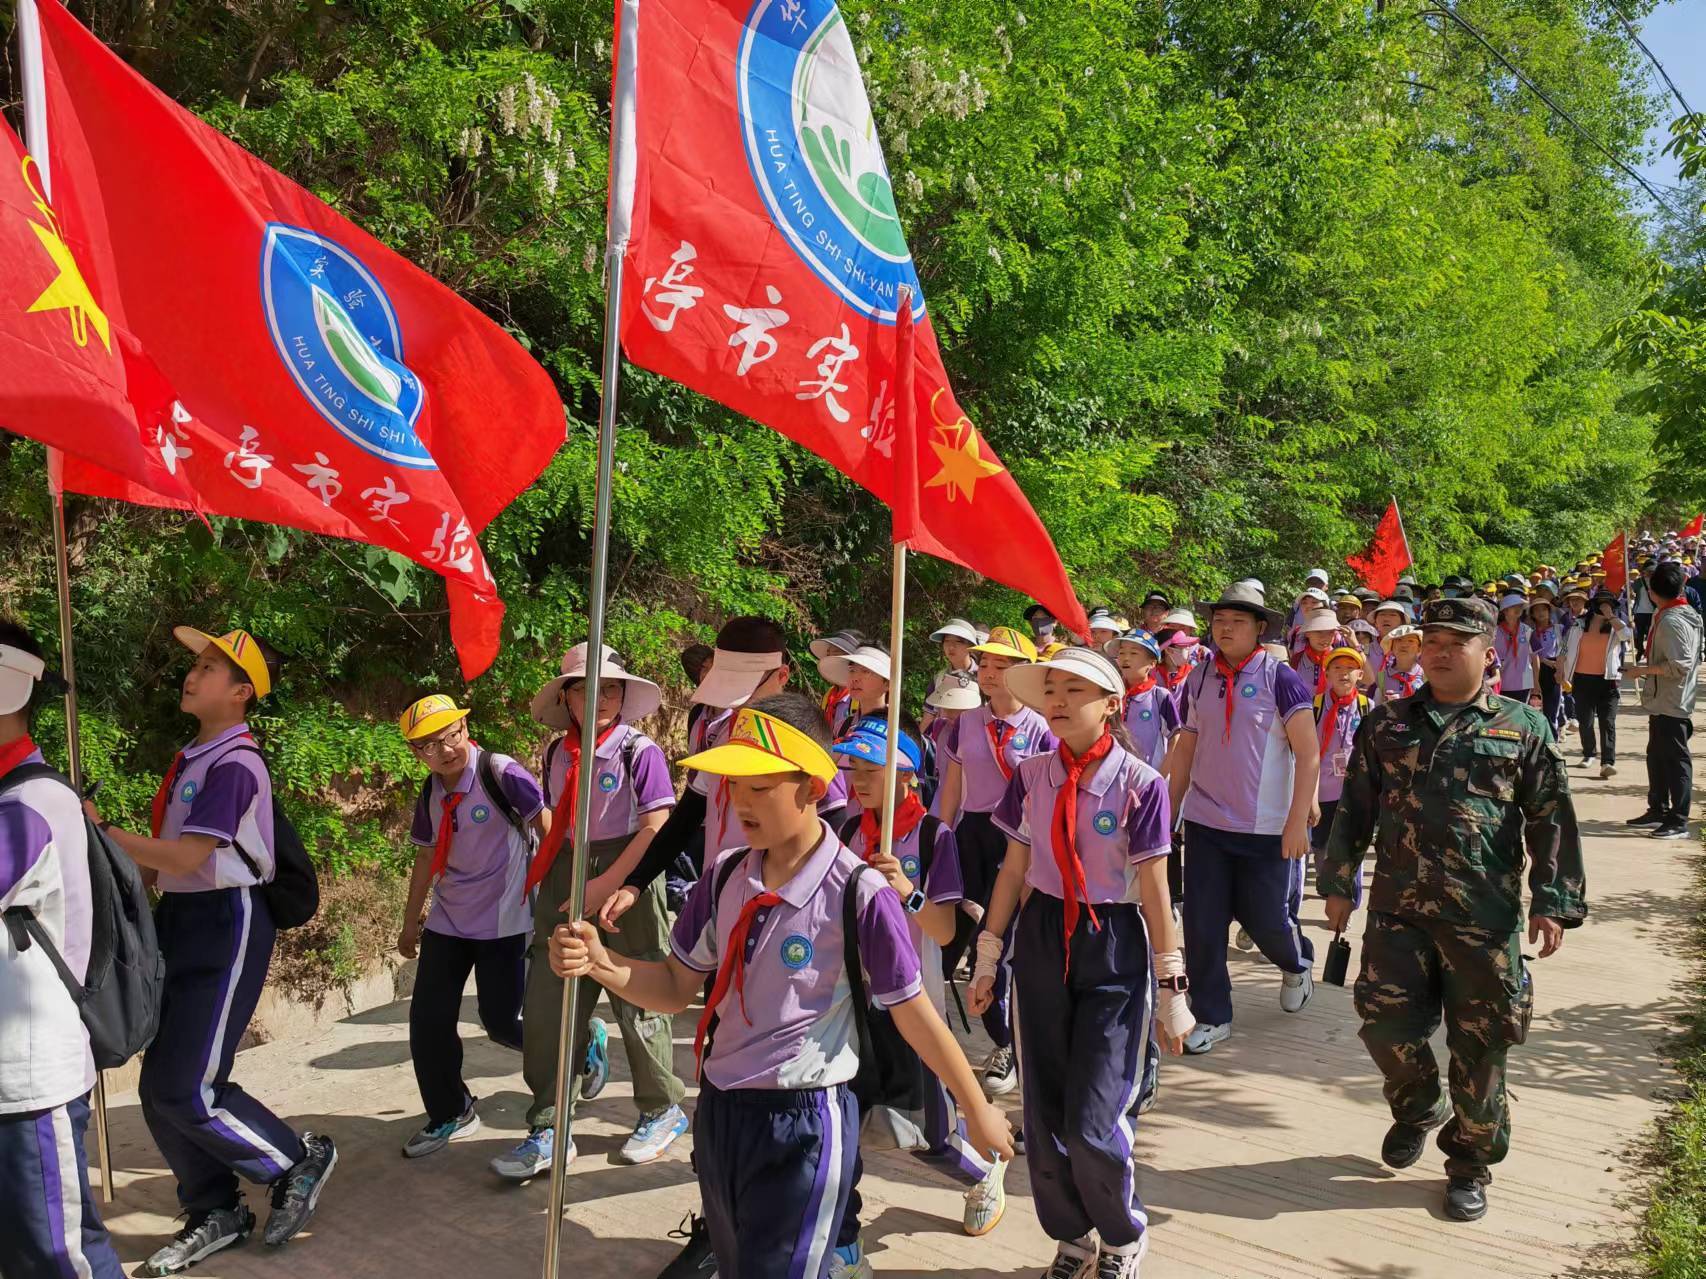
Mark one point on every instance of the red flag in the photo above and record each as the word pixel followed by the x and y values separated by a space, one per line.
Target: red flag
pixel 1615 561
pixel 321 381
pixel 1387 555
pixel 1695 525
pixel 766 259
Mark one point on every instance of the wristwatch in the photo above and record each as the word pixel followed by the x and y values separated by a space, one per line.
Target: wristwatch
pixel 1179 984
pixel 916 902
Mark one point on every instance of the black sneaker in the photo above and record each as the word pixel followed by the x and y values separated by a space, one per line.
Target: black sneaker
pixel 296 1194
pixel 1648 818
pixel 1465 1199
pixel 204 1234
pixel 695 1260
pixel 1671 830
pixel 1404 1142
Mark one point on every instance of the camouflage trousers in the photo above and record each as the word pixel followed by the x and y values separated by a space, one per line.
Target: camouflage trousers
pixel 1414 971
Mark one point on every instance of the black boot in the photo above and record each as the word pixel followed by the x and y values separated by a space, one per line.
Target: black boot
pixel 1465 1199
pixel 1404 1142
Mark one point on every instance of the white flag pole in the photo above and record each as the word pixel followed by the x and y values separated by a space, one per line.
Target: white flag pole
pixel 35 140
pixel 623 163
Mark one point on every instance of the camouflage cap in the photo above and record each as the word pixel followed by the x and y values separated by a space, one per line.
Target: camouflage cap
pixel 1470 616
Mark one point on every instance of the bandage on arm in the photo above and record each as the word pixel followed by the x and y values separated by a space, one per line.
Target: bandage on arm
pixel 988 957
pixel 1175 1009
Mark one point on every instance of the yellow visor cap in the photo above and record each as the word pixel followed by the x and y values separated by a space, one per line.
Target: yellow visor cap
pixel 761 745
pixel 239 646
pixel 428 716
pixel 1004 641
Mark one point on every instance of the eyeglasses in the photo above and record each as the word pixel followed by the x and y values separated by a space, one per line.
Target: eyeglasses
pixel 446 743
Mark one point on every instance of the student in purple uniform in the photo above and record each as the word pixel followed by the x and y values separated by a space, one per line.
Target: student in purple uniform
pixel 631 796
pixel 470 830
pixel 1151 715
pixel 53 1228
pixel 1513 641
pixel 840 704
pixel 211 848
pixel 1093 937
pixel 984 747
pixel 903 1104
pixel 1245 771
pixel 1321 634
pixel 865 673
pixel 1400 668
pixel 1548 648
pixel 1339 709
pixel 776 1132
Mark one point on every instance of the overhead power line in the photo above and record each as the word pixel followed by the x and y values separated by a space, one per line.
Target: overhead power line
pixel 1657 65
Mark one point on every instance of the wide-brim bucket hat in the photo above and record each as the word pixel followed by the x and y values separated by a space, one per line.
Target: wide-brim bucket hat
pixel 1026 682
pixel 1247 598
pixel 640 698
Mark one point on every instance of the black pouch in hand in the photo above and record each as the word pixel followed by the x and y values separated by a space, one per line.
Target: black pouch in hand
pixel 1338 964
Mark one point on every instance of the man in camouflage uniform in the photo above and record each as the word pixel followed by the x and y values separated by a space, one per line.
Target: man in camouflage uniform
pixel 1451 783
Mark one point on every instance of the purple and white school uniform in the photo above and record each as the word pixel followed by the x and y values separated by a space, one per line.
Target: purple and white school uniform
pixel 777 1128
pixel 216 934
pixel 1080 1105
pixel 1516 654
pixel 46 1070
pixel 1151 717
pixel 988 750
pixel 1395 683
pixel 480 923
pixel 632 779
pixel 1235 811
pixel 1343 721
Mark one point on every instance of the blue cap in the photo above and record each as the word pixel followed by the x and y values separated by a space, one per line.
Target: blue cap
pixel 868 740
pixel 1144 640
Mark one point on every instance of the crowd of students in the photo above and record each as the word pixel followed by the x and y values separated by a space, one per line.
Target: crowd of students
pixel 1081 819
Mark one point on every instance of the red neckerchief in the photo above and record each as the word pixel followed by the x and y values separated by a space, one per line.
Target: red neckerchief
pixel 1511 633
pixel 446 828
pixel 906 819
pixel 563 815
pixel 1407 680
pixel 733 968
pixel 1331 714
pixel 1066 858
pixel 1229 673
pixel 1653 626
pixel 1000 733
pixel 1177 677
pixel 1314 659
pixel 15 754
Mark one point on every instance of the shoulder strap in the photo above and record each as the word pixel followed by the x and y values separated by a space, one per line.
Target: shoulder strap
pixel 855 969
pixel 253 866
pixel 849 827
pixel 488 775
pixel 31 772
pixel 545 765
pixel 929 830
pixel 25 928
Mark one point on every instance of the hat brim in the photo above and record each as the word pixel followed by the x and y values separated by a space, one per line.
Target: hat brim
pixel 1004 650
pixel 1274 622
pixel 726 689
pixel 254 667
pixel 640 698
pixel 738 759
pixel 1026 682
pixel 954 632
pixel 955 699
pixel 827 647
pixel 838 669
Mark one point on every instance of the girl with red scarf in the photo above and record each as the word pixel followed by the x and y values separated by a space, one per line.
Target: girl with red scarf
pixel 1339 709
pixel 1087 827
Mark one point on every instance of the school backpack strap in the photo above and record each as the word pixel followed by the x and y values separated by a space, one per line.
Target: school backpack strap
pixel 929 831
pixel 293 893
pixel 488 774
pixel 849 827
pixel 855 968
pixel 725 872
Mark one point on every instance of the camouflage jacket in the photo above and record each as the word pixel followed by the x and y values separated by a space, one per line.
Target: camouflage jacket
pixel 1450 796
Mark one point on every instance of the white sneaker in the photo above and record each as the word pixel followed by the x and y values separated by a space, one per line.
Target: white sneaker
pixel 1295 989
pixel 1203 1037
pixel 999 1076
pixel 1607 770
pixel 1073 1261
pixel 1569 727
pixel 1590 761
pixel 1123 1265
pixel 986 1201
pixel 856 1267
pixel 1242 941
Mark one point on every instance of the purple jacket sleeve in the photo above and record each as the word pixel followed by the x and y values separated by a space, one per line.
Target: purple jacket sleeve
pixel 652 787
pixel 219 805
pixel 1290 693
pixel 1149 825
pixel 885 946
pixel 946 881
pixel 1009 815
pixel 521 789
pixel 693 940
pixel 24 837
pixel 420 829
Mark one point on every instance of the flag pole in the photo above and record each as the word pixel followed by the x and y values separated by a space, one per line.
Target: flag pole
pixel 619 220
pixel 35 138
pixel 903 507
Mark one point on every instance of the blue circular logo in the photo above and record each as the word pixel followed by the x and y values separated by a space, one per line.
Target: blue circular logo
pixel 796 951
pixel 607 782
pixel 1249 690
pixel 188 792
pixel 811 143
pixel 336 332
pixel 1020 742
pixel 1146 714
pixel 480 813
pixel 1105 822
pixel 909 867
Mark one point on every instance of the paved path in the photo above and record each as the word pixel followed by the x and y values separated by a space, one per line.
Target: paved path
pixel 1260 1161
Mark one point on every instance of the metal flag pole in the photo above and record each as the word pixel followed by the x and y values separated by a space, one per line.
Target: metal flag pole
pixel 903 506
pixel 616 246
pixel 35 138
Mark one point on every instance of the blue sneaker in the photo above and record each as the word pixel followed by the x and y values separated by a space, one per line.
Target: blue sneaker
pixel 596 1072
pixel 531 1158
pixel 653 1135
pixel 849 1263
pixel 435 1137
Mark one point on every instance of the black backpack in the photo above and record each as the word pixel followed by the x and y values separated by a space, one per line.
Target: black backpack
pixel 292 894
pixel 119 999
pixel 487 772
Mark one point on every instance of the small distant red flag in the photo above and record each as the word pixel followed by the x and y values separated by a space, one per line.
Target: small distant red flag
pixel 1695 525
pixel 1387 556
pixel 1615 561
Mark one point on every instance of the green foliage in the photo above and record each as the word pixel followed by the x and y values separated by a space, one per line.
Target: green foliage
pixel 1216 281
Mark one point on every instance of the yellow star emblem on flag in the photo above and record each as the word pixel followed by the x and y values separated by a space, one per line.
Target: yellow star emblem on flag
pixel 68 291
pixel 957 448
